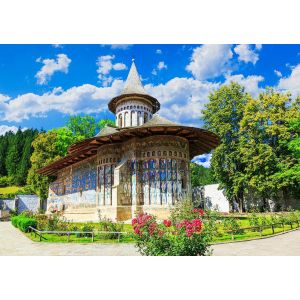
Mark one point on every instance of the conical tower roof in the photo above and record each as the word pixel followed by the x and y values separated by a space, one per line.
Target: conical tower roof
pixel 133 88
pixel 133 84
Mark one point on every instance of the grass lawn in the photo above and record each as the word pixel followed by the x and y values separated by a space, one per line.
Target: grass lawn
pixel 221 236
pixel 9 190
pixel 54 238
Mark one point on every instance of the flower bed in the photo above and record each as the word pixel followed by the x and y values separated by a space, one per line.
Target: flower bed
pixel 185 234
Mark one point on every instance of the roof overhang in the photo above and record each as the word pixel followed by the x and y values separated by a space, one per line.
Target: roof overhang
pixel 200 141
pixel 153 102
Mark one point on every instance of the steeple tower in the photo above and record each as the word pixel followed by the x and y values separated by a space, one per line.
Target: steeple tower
pixel 133 84
pixel 133 107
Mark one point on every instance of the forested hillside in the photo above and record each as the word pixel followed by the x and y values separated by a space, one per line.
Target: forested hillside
pixel 15 152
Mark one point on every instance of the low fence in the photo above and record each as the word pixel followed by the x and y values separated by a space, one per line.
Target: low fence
pixel 262 227
pixel 92 234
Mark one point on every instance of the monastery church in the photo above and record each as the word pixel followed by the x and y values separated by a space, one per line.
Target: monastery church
pixel 139 165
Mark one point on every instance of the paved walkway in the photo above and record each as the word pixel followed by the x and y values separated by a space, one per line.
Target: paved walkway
pixel 13 242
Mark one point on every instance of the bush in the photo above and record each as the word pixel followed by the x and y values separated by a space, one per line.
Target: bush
pixel 184 235
pixel 23 222
pixel 231 224
pixel 6 181
pixel 108 225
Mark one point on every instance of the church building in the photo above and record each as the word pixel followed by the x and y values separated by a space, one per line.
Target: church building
pixel 139 165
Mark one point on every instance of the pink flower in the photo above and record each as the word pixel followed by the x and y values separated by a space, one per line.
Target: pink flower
pixel 189 232
pixel 152 228
pixel 134 221
pixel 167 223
pixel 137 231
pixel 201 212
pixel 160 233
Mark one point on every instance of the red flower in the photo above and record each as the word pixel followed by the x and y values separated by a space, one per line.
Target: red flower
pixel 201 212
pixel 167 223
pixel 152 228
pixel 137 231
pixel 134 221
pixel 189 232
pixel 160 233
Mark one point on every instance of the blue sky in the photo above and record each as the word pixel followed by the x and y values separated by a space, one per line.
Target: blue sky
pixel 42 85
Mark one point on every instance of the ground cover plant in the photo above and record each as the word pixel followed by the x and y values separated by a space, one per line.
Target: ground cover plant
pixel 219 227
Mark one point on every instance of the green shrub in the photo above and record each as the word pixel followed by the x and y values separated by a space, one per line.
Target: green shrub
pixel 23 223
pixel 184 235
pixel 108 225
pixel 6 181
pixel 231 224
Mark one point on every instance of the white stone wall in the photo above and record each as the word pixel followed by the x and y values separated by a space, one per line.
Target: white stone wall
pixel 215 199
pixel 132 113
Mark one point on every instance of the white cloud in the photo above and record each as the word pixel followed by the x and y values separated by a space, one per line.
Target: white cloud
pixel 5 128
pixel 158 51
pixel 203 160
pixel 258 46
pixel 85 99
pixel 247 54
pixel 60 64
pixel 291 83
pixel 250 82
pixel 105 65
pixel 160 66
pixel 182 99
pixel 210 61
pixel 121 46
pixel 278 73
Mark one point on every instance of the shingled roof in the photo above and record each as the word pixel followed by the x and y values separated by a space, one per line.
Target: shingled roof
pixel 133 84
pixel 134 89
pixel 200 141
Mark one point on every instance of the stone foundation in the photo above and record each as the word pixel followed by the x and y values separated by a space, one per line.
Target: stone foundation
pixel 119 213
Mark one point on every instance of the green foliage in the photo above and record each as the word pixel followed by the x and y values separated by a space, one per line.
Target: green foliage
pixel 15 152
pixel 231 224
pixel 45 152
pixel 83 127
pixel 108 225
pixel 23 222
pixel 259 150
pixel 185 235
pixel 200 176
pixel 223 115
pixel 6 181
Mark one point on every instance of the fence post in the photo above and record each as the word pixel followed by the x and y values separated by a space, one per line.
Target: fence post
pixel 232 235
pixel 260 230
pixel 283 227
pixel 291 224
pixel 273 228
pixel 118 237
pixel 68 237
pixel 298 222
pixel 40 237
pixel 92 236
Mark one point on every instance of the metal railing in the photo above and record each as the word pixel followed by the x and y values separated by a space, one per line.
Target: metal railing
pixel 92 234
pixel 262 227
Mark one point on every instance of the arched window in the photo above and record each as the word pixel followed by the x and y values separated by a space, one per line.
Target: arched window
pixel 126 123
pixel 120 120
pixel 145 117
pixel 131 118
pixel 138 118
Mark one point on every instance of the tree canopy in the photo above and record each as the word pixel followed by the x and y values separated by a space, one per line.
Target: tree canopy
pixel 259 150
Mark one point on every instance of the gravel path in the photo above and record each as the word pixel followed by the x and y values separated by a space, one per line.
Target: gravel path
pixel 13 242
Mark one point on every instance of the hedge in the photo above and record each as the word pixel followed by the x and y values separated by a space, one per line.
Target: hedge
pixel 23 223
